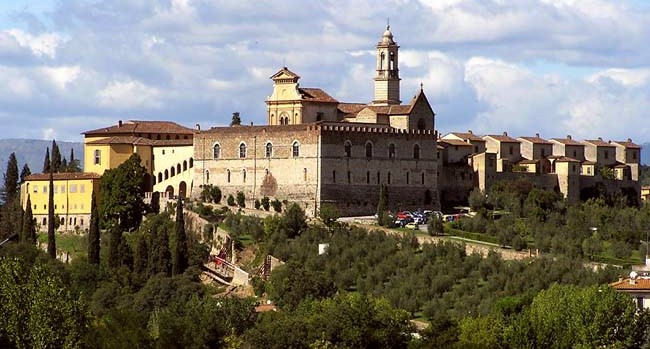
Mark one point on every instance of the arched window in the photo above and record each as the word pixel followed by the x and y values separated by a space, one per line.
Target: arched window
pixel 295 149
pixel 216 151
pixel 243 175
pixel 178 168
pixel 348 149
pixel 416 151
pixel 166 174
pixel 228 175
pixel 268 150
pixel 185 165
pixel 382 57
pixel 367 177
pixel 368 150
pixel 242 150
pixel 391 151
pixel 191 162
pixel 172 171
pixel 207 176
pixel 160 177
pixel 407 177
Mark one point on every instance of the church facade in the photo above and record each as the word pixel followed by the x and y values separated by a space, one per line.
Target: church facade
pixel 317 150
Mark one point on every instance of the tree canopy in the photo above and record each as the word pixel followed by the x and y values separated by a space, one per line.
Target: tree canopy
pixel 122 194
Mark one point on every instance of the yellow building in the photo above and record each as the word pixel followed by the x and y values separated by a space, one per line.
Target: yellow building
pixel 72 198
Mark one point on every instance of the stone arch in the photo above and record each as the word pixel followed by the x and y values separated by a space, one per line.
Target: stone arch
pixel 191 162
pixel 182 189
pixel 185 165
pixel 166 174
pixel 169 191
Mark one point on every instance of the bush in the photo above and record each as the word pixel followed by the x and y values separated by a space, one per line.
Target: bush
pixel 277 205
pixel 230 200
pixel 257 204
pixel 266 203
pixel 241 199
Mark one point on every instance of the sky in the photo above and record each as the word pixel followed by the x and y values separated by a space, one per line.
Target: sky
pixel 553 67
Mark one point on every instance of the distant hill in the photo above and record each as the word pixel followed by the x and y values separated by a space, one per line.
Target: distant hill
pixel 645 153
pixel 32 152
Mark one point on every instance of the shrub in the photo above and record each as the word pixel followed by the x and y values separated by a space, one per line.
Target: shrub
pixel 230 200
pixel 266 203
pixel 241 199
pixel 277 205
pixel 257 204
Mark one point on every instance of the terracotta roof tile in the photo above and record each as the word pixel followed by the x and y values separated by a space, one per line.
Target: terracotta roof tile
pixel 502 138
pixel 455 142
pixel 62 176
pixel 286 71
pixel 468 135
pixel 316 95
pixel 351 108
pixel 587 162
pixel 172 142
pixel 123 140
pixel 535 140
pixel 598 143
pixel 567 141
pixel 640 284
pixel 132 127
pixel 563 159
pixel 628 144
pixel 528 162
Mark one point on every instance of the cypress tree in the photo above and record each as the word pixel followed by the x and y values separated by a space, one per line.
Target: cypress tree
pixel 164 255
pixel 73 164
pixel 28 233
pixel 93 233
pixel 47 163
pixel 181 257
pixel 125 253
pixel 64 165
pixel 24 173
pixel 10 189
pixel 51 242
pixel 141 257
pixel 382 205
pixel 56 158
pixel 114 245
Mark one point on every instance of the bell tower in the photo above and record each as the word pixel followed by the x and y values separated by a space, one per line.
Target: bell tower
pixel 387 76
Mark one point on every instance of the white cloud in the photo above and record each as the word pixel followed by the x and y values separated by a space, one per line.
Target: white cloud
pixel 40 45
pixel 61 76
pixel 129 93
pixel 49 133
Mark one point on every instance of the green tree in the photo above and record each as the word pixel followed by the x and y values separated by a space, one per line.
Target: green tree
pixel 277 205
pixel 93 233
pixel 115 238
pixel 231 200
pixel 476 199
pixel 435 226
pixel 180 260
pixel 55 162
pixel 24 173
pixel 141 257
pixel 122 194
pixel 47 164
pixel 241 199
pixel 73 164
pixel 164 254
pixel 28 232
pixel 294 220
pixel 257 204
pixel 329 214
pixel 236 119
pixel 10 188
pixel 51 239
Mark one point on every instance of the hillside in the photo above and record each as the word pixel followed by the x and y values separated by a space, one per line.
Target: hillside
pixel 32 152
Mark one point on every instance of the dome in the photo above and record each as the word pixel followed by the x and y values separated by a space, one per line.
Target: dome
pixel 387 38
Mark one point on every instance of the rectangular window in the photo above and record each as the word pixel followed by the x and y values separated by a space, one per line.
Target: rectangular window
pixel 73 188
pixel 56 189
pixel 98 156
pixel 606 154
pixel 82 188
pixel 63 189
pixel 35 189
pixel 633 155
pixel 319 116
pixel 510 150
pixel 333 176
pixel 349 178
pixel 45 189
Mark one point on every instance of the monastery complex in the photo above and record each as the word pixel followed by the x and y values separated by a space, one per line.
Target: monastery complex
pixel 316 150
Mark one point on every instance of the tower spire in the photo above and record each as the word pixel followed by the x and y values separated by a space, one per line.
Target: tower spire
pixel 387 80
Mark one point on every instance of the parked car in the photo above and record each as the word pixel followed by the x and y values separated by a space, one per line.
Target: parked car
pixel 412 225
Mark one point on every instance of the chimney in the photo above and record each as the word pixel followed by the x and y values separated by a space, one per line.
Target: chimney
pixel 620 278
pixel 505 133
pixel 568 137
pixel 470 132
pixel 629 140
pixel 198 127
pixel 251 123
pixel 600 139
pixel 537 135
pixel 119 123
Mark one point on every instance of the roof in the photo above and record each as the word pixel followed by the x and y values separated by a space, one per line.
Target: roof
pixel 587 162
pixel 468 135
pixel 598 142
pixel 503 138
pixel 285 71
pixel 316 95
pixel 123 140
pixel 62 176
pixel 456 142
pixel 640 284
pixel 528 162
pixel 628 144
pixel 535 140
pixel 401 109
pixel 563 159
pixel 351 108
pixel 567 141
pixel 132 127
